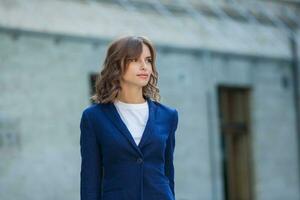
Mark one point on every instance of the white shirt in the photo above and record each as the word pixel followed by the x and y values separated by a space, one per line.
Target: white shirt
pixel 135 117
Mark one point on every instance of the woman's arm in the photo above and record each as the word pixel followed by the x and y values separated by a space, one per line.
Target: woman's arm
pixel 91 162
pixel 169 166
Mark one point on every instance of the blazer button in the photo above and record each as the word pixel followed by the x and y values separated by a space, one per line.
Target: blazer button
pixel 139 160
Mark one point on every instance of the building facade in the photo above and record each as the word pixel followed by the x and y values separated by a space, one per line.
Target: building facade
pixel 227 69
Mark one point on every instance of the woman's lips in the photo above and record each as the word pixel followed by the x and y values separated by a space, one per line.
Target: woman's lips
pixel 143 76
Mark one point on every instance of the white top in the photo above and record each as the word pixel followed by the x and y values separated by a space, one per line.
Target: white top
pixel 135 117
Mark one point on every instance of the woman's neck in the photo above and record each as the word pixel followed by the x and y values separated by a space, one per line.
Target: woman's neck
pixel 131 95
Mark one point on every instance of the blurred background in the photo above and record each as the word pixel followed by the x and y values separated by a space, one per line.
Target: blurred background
pixel 230 67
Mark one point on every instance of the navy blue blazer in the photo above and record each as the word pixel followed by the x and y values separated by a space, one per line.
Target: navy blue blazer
pixel 113 167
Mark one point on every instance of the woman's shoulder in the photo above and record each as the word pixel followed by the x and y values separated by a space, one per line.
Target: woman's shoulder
pixel 165 108
pixel 92 109
pixel 170 113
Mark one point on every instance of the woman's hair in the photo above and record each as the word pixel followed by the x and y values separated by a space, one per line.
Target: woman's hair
pixel 119 54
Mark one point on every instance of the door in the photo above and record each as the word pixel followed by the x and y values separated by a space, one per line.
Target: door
pixel 234 107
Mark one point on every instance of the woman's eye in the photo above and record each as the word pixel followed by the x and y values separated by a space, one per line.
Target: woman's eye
pixel 149 60
pixel 132 60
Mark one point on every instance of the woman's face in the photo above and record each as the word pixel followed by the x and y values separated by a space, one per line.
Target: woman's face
pixel 139 70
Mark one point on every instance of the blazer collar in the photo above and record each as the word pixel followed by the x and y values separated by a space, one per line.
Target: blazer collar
pixel 112 113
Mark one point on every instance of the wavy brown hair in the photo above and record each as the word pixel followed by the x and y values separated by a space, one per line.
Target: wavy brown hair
pixel 118 56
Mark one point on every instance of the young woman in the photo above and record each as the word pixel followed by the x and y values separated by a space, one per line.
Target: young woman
pixel 127 136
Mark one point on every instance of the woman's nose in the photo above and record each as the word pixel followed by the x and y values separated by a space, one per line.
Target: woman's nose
pixel 143 64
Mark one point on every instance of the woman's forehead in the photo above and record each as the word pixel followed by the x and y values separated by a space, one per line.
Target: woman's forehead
pixel 144 51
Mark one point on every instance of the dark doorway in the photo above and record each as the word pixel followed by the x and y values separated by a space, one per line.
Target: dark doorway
pixel 234 107
pixel 93 78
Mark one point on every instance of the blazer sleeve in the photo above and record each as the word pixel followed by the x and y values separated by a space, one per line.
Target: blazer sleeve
pixel 169 153
pixel 91 162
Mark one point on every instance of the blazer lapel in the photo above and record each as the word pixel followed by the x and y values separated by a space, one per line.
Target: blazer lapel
pixel 111 111
pixel 149 125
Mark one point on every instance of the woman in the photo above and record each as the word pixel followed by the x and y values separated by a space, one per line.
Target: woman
pixel 128 137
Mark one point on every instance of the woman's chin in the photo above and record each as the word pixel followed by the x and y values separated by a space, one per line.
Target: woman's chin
pixel 143 83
